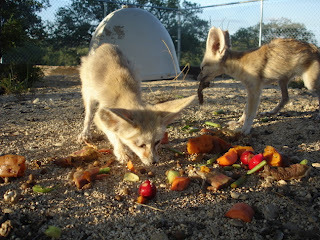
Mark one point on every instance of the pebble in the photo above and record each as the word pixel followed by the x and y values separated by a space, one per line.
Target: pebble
pixel 159 236
pixel 316 165
pixel 282 182
pixel 35 100
pixel 235 195
pixel 270 211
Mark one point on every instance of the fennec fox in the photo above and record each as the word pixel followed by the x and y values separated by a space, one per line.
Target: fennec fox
pixel 280 60
pixel 109 81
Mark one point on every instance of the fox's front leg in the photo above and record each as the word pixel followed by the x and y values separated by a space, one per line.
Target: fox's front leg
pixel 203 84
pixel 119 149
pixel 251 108
pixel 89 104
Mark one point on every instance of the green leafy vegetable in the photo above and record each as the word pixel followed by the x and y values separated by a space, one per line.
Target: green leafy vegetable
pixel 212 124
pixel 256 168
pixel 104 170
pixel 239 181
pixel 40 189
pixel 304 162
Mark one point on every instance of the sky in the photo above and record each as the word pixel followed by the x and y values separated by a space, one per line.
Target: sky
pixel 240 15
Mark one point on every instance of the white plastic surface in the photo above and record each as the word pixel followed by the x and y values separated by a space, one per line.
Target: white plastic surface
pixel 142 38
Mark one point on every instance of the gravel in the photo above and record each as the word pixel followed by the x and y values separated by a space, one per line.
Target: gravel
pixel 44 123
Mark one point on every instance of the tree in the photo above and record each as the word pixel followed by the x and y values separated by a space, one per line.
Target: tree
pixel 19 22
pixel 247 38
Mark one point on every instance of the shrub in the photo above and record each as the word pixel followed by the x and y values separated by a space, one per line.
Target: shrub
pixel 16 78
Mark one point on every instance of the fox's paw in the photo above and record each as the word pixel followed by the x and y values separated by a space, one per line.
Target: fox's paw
pixel 122 157
pixel 84 137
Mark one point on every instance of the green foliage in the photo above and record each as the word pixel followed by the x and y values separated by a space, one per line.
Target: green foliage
pixel 248 38
pixel 18 77
pixel 65 56
pixel 20 23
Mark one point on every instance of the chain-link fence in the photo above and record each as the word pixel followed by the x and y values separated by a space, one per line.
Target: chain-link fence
pixel 243 19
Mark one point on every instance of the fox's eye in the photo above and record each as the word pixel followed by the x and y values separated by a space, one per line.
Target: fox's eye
pixel 142 146
pixel 157 143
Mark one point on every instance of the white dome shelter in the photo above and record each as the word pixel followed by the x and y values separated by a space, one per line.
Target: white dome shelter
pixel 143 39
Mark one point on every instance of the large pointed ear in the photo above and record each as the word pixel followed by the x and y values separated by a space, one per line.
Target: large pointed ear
pixel 217 42
pixel 114 119
pixel 170 110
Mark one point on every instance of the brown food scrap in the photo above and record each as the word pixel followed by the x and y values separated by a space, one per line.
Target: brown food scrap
pixel 207 144
pixel 295 171
pixel 12 165
pixel 82 178
pixel 241 211
pixel 87 153
pixel 217 180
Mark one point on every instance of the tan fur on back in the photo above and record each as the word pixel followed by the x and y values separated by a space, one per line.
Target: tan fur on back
pixel 107 76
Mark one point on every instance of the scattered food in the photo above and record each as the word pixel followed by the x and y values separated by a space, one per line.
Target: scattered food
pixel 86 154
pixel 40 189
pixel 171 175
pixel 217 180
pixel 131 177
pixel 147 189
pixel 256 167
pixel 12 166
pixel 246 157
pixel 255 160
pixel 272 156
pixel 180 183
pixel 295 171
pixel 241 180
pixel 228 158
pixel 241 149
pixel 241 211
pixel 207 144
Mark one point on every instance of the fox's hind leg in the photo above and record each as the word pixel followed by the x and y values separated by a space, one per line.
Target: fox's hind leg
pixel 283 83
pixel 311 79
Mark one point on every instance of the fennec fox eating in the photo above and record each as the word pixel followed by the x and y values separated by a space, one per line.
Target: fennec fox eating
pixel 280 60
pixel 109 81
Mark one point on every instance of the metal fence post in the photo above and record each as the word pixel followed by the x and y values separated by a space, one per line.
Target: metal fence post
pixel 179 35
pixel 261 22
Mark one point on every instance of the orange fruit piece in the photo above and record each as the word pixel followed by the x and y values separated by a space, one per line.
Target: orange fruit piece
pixel 180 183
pixel 228 158
pixel 241 211
pixel 272 156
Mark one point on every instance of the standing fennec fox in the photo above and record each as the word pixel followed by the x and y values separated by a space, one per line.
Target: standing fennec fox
pixel 280 60
pixel 109 81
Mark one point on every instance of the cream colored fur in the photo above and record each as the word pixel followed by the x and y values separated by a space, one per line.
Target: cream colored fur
pixel 108 80
pixel 280 60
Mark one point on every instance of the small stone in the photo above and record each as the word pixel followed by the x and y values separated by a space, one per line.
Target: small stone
pixel 316 165
pixel 151 174
pixel 118 198
pixel 35 100
pixel 270 211
pixel 159 236
pixel 235 195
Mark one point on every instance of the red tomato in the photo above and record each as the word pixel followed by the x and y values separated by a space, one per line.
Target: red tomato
pixel 246 157
pixel 255 160
pixel 147 190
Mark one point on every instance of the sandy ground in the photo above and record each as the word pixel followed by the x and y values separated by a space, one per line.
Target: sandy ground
pixel 44 124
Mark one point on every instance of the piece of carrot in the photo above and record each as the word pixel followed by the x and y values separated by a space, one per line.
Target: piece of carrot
pixel 142 199
pixel 241 211
pixel 130 166
pixel 180 183
pixel 228 158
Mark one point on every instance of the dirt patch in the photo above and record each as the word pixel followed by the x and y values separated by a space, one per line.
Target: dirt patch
pixel 44 124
